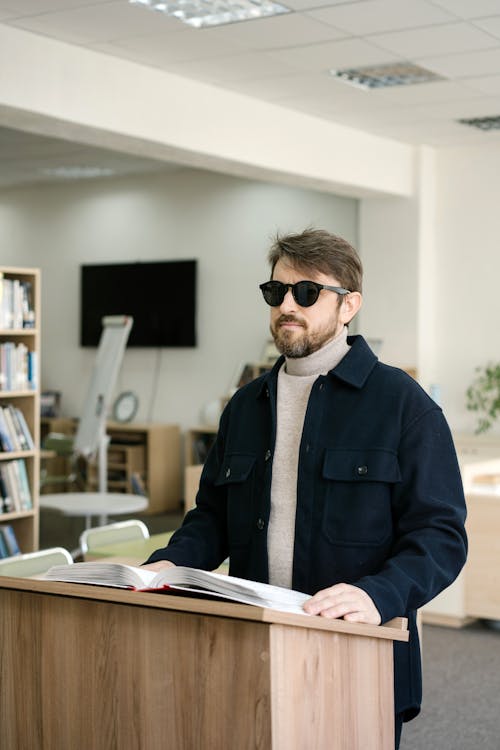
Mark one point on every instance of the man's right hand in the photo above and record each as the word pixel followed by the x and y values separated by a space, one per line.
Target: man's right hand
pixel 160 565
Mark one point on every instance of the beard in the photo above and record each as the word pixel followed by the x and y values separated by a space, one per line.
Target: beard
pixel 297 344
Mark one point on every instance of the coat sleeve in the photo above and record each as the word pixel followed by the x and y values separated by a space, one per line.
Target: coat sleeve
pixel 430 546
pixel 201 541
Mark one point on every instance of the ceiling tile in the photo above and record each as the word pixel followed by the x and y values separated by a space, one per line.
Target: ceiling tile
pixel 434 40
pixel 469 8
pixel 342 54
pixel 108 21
pixel 242 67
pixel 19 8
pixel 491 25
pixel 372 16
pixel 486 62
pixel 486 84
pixel 311 4
pixel 162 50
pixel 427 93
pixel 287 30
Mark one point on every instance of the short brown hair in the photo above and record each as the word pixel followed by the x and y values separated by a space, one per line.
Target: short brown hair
pixel 318 250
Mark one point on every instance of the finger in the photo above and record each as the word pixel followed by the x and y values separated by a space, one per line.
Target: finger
pixel 334 606
pixel 331 593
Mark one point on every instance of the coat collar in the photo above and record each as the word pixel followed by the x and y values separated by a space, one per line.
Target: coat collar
pixel 353 369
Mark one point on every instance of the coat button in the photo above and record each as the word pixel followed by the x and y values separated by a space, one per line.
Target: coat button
pixel 228 473
pixel 267 455
pixel 260 524
pixel 362 470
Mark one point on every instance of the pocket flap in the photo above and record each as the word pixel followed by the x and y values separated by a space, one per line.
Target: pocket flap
pixel 363 465
pixel 236 467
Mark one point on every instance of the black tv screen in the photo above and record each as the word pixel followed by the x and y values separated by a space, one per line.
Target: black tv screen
pixel 160 296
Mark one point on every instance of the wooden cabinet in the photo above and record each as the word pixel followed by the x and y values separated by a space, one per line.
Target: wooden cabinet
pixel 475 592
pixel 19 392
pixel 150 451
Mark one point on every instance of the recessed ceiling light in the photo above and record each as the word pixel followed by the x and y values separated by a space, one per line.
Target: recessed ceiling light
pixel 384 76
pixel 77 173
pixel 483 123
pixel 199 13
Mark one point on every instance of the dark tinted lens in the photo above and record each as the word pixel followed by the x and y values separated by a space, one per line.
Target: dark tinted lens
pixel 274 292
pixel 306 293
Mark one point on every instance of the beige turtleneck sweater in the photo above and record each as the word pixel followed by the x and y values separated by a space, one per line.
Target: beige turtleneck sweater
pixel 295 380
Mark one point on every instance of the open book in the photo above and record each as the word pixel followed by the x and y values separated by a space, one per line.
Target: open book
pixel 181 578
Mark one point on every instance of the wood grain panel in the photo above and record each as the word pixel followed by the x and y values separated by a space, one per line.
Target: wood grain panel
pixel 331 691
pixel 115 677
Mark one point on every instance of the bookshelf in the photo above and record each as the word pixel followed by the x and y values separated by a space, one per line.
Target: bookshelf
pixel 20 402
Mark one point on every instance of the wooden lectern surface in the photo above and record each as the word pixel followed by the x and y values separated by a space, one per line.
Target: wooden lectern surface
pixel 86 667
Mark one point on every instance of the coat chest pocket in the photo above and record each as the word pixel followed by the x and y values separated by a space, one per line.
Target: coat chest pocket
pixel 237 477
pixel 357 501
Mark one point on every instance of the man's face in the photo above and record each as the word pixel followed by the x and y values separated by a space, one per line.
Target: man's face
pixel 299 331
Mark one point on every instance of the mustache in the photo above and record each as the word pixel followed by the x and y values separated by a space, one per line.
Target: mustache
pixel 289 319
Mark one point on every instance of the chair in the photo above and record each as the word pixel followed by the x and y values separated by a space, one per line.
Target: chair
pixel 57 445
pixel 121 531
pixel 34 563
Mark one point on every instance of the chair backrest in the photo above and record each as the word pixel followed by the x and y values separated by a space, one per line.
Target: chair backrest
pixel 121 531
pixel 34 563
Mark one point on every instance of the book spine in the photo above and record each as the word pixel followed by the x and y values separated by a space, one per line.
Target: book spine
pixel 19 432
pixel 25 429
pixel 10 539
pixel 32 370
pixel 11 429
pixel 5 440
pixel 12 485
pixel 23 483
pixel 4 552
pixel 7 502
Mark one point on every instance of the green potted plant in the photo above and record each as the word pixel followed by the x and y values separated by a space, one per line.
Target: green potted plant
pixel 483 395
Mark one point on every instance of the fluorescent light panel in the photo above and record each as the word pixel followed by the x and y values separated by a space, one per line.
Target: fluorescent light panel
pixel 385 76
pixel 199 13
pixel 483 123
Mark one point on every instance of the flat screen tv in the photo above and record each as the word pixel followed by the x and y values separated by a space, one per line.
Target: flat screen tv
pixel 160 296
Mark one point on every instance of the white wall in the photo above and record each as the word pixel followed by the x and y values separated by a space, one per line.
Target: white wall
pixel 465 329
pixel 226 222
pixel 388 244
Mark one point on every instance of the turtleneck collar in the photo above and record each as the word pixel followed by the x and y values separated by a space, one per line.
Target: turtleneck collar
pixel 322 361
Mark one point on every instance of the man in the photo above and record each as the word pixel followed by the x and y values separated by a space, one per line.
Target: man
pixel 333 474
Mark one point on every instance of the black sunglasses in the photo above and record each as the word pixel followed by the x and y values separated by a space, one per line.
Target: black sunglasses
pixel 305 293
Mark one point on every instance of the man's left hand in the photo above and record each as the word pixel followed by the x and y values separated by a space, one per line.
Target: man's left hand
pixel 344 600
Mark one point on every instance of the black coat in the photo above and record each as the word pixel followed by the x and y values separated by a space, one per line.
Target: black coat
pixel 380 502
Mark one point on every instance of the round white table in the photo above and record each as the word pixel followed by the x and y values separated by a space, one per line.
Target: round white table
pixel 88 504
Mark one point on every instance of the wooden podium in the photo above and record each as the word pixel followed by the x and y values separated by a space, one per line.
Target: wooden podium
pixel 108 669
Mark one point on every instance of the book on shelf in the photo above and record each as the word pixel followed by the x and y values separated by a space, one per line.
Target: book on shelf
pixel 9 539
pixel 16 303
pixel 15 487
pixel 18 367
pixel 7 502
pixel 181 580
pixel 4 552
pixel 13 426
pixel 6 443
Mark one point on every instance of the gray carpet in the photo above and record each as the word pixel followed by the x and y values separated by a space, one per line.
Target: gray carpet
pixel 461 706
